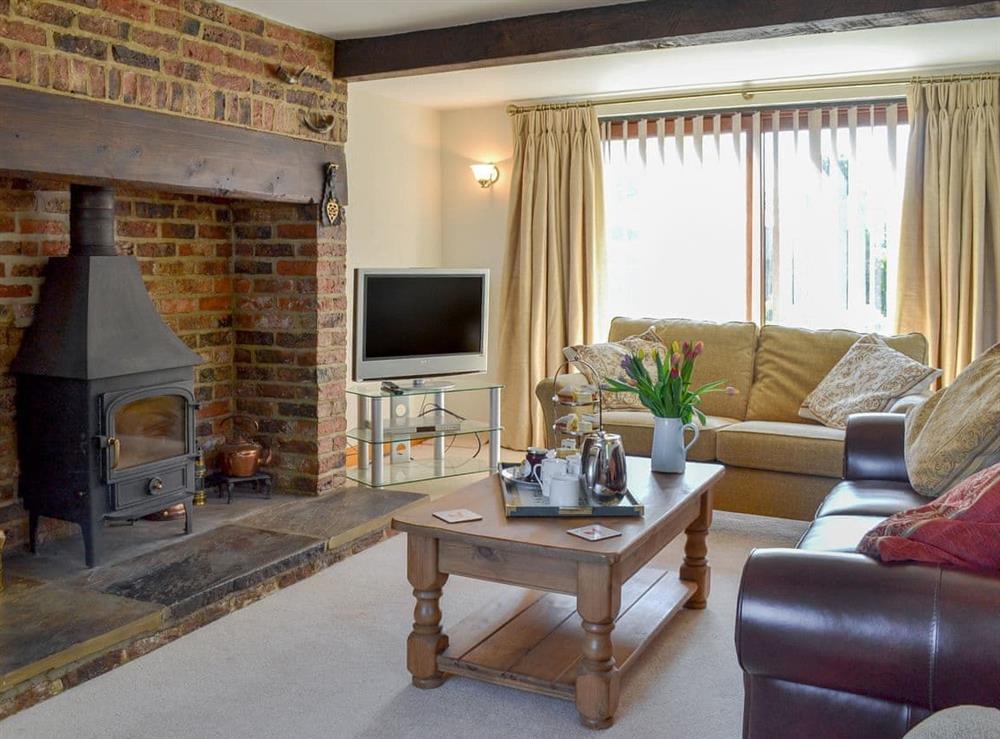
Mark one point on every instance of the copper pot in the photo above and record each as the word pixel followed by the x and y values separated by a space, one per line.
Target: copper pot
pixel 242 457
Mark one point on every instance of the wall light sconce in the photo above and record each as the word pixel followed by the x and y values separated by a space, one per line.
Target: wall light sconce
pixel 485 174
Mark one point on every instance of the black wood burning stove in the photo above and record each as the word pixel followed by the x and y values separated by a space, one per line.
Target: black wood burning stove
pixel 105 390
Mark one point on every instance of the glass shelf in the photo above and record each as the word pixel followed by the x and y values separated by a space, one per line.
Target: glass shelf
pixel 459 385
pixel 423 469
pixel 465 427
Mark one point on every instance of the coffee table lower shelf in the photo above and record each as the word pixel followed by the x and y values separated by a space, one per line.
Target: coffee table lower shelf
pixel 531 640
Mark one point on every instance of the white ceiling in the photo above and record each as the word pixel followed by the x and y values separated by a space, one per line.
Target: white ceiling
pixel 358 18
pixel 903 49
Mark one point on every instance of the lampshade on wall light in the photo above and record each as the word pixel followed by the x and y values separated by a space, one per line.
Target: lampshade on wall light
pixel 485 174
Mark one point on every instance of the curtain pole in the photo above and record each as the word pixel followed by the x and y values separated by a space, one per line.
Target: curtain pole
pixel 749 93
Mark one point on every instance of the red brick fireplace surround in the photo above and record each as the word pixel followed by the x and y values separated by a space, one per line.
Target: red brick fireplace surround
pixel 223 217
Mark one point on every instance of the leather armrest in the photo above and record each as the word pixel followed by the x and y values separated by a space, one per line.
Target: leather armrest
pixel 914 634
pixel 874 447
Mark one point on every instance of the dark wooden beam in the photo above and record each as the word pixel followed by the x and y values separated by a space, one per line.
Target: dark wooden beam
pixel 45 133
pixel 636 26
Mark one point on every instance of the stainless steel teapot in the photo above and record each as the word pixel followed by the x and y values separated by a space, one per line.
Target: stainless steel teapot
pixel 603 457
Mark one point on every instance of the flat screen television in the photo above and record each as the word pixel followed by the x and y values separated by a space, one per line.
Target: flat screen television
pixel 418 323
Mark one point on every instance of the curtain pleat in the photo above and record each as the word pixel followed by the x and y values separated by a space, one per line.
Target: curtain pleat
pixel 949 261
pixel 834 126
pixel 815 119
pixel 679 138
pixel 555 254
pixel 697 135
pixel 852 129
pixel 643 133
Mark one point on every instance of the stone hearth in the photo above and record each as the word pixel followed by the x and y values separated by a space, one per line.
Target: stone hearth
pixel 61 624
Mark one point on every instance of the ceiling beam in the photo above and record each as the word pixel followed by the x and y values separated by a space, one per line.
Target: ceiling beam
pixel 636 26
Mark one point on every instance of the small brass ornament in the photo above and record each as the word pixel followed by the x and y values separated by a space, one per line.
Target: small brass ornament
pixel 332 212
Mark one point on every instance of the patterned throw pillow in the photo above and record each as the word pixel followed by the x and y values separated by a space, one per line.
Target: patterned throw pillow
pixel 606 359
pixel 961 528
pixel 957 431
pixel 870 377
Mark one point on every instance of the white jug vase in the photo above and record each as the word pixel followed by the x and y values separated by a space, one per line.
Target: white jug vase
pixel 669 453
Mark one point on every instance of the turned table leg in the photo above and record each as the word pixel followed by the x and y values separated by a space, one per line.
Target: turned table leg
pixel 426 641
pixel 695 568
pixel 598 680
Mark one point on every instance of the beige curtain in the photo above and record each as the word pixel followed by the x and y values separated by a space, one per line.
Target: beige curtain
pixel 555 239
pixel 949 256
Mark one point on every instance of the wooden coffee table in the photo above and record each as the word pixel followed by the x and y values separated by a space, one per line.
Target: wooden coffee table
pixel 556 638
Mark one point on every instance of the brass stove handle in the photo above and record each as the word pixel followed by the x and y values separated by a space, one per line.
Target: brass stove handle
pixel 154 486
pixel 116 451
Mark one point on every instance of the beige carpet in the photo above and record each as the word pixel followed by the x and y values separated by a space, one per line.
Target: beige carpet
pixel 324 658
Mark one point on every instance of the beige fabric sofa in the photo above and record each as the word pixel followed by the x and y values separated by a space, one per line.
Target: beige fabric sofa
pixel 778 464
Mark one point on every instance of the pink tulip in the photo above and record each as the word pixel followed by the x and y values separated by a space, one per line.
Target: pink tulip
pixel 699 347
pixel 674 372
pixel 676 359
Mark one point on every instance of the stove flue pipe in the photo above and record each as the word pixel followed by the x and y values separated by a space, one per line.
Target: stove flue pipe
pixel 91 221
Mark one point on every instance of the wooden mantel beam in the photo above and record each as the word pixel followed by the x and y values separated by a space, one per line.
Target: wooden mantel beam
pixel 49 134
pixel 635 26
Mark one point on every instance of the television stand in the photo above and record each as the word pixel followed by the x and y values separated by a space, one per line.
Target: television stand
pixel 374 435
pixel 421 385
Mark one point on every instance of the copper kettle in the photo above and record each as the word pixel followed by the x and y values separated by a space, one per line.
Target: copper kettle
pixel 242 456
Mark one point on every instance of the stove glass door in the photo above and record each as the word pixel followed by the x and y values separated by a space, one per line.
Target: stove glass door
pixel 151 429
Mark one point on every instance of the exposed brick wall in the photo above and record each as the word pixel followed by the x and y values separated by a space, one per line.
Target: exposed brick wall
pixel 290 345
pixel 184 248
pixel 190 57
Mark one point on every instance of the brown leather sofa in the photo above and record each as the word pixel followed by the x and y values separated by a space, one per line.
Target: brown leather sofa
pixel 835 644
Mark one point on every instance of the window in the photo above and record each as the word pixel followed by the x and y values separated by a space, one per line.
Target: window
pixel 830 237
pixel 675 228
pixel 781 216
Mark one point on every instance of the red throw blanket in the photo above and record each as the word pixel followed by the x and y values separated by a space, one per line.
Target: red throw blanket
pixel 960 528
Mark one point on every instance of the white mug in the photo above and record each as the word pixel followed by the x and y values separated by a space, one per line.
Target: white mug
pixel 549 468
pixel 564 491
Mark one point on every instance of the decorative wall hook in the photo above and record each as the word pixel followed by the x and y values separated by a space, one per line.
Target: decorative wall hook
pixel 331 210
pixel 321 124
pixel 292 78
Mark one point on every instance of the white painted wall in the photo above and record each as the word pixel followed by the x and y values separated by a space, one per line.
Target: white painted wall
pixel 394 175
pixel 414 202
pixel 473 219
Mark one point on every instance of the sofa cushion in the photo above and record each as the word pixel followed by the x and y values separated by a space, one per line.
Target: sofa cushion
pixel 606 360
pixel 869 498
pixel 838 533
pixel 869 378
pixel 807 449
pixel 961 528
pixel 636 430
pixel 957 432
pixel 728 356
pixel 791 362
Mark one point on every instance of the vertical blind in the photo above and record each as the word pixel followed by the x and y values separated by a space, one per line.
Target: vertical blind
pixel 785 215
